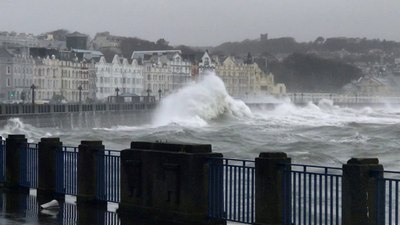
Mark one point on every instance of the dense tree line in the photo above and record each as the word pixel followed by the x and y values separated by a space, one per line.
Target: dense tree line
pixel 309 73
pixel 289 45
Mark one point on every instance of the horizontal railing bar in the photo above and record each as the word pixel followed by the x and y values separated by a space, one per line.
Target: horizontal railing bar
pixel 232 159
pixel 236 166
pixel 390 179
pixel 313 166
pixel 316 173
pixel 386 171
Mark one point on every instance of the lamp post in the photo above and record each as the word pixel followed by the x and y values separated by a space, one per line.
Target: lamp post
pixel 148 94
pixel 159 94
pixel 117 94
pixel 80 93
pixel 33 87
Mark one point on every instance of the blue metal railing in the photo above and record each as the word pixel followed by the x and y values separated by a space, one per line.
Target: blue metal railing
pixel 108 175
pixel 66 170
pixel 388 201
pixel 2 160
pixel 232 190
pixel 314 196
pixel 112 218
pixel 28 165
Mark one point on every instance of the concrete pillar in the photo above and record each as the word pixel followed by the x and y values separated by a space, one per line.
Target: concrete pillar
pixel 359 195
pixel 91 214
pixel 165 182
pixel 272 175
pixel 15 202
pixel 14 143
pixel 87 166
pixel 48 148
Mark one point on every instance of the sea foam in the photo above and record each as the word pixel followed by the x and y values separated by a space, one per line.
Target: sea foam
pixel 198 103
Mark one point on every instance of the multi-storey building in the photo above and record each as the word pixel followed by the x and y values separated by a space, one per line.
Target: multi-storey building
pixel 165 71
pixel 119 75
pixel 240 78
pixel 16 72
pixel 105 40
pixel 12 39
pixel 206 65
pixel 66 79
pixel 243 78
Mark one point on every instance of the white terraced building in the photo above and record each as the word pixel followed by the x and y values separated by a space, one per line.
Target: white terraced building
pixel 127 77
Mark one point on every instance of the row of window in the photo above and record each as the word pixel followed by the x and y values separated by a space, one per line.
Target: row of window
pixel 179 69
pixel 167 77
pixel 117 81
pixel 108 69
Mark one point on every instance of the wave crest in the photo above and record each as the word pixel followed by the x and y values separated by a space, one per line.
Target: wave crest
pixel 198 103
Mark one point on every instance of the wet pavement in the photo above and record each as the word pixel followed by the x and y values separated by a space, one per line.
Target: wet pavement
pixel 18 208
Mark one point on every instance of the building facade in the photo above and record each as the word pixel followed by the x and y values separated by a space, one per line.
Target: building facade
pixel 16 74
pixel 241 79
pixel 61 79
pixel 119 75
pixel 164 71
pixel 206 65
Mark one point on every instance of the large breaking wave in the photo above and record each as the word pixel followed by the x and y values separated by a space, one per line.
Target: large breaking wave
pixel 199 103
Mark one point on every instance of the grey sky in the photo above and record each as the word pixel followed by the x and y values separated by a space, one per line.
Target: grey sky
pixel 207 22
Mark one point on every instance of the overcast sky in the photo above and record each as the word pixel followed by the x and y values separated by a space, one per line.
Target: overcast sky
pixel 207 22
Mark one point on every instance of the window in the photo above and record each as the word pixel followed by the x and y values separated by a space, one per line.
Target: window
pixel 8 69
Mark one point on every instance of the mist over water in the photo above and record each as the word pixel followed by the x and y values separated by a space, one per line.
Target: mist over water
pixel 203 112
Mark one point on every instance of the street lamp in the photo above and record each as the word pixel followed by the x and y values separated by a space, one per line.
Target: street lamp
pixel 80 93
pixel 33 87
pixel 148 94
pixel 117 94
pixel 159 94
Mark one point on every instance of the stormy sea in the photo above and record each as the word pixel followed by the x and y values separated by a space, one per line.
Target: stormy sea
pixel 203 112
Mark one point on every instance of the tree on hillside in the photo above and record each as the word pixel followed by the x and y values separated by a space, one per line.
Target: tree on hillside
pixel 309 73
pixel 162 42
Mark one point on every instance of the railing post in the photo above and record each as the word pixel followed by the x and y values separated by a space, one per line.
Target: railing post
pixel 48 148
pixel 272 188
pixel 14 143
pixel 165 182
pixel 87 175
pixel 359 197
pixel 2 161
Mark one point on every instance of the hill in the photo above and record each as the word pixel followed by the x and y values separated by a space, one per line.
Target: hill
pixel 309 73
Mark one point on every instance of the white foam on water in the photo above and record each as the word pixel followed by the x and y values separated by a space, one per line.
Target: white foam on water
pixel 325 113
pixel 17 126
pixel 198 103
